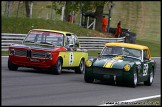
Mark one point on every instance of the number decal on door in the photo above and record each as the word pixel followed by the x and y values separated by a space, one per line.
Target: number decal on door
pixel 145 69
pixel 71 58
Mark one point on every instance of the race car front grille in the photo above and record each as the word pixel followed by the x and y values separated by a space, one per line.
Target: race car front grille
pixel 29 53
pixel 20 52
pixel 38 54
pixel 110 71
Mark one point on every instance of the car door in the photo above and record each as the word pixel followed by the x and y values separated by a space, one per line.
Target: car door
pixel 145 65
pixel 69 56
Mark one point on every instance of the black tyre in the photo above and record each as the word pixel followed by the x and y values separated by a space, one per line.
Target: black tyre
pixel 81 68
pixel 57 68
pixel 88 78
pixel 12 66
pixel 134 80
pixel 150 78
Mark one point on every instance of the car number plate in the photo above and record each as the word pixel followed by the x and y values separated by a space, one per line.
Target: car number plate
pixel 34 60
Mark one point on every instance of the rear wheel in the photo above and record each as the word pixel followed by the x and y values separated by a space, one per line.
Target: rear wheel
pixel 81 67
pixel 150 78
pixel 57 68
pixel 12 66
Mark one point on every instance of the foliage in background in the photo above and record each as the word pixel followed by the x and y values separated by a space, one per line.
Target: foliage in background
pixel 23 25
pixel 141 17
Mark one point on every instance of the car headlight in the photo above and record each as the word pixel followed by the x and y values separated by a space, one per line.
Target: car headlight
pixel 11 52
pixel 49 56
pixel 88 63
pixel 127 67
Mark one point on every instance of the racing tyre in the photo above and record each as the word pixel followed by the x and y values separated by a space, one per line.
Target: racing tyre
pixel 81 68
pixel 134 80
pixel 57 68
pixel 12 66
pixel 88 78
pixel 150 78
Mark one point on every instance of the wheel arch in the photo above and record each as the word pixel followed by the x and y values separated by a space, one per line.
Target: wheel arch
pixel 60 57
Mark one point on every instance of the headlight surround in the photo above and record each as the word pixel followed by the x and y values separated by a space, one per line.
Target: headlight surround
pixel 127 67
pixel 12 52
pixel 88 63
pixel 49 56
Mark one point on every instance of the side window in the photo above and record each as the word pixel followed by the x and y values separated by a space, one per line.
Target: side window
pixel 145 55
pixel 70 41
pixel 73 40
pixel 76 41
pixel 107 51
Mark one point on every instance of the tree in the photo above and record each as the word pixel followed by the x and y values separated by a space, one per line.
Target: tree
pixel 28 8
pixel 99 15
pixel 8 8
pixel 66 10
pixel 96 6
pixel 18 9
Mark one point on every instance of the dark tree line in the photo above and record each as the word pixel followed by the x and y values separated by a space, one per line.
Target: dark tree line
pixel 71 6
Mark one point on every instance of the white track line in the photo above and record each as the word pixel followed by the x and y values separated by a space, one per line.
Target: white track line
pixel 4 56
pixel 129 101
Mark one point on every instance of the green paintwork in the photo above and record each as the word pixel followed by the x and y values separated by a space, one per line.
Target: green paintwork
pixel 125 76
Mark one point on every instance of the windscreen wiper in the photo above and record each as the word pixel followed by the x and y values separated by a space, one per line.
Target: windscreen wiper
pixel 29 41
pixel 47 43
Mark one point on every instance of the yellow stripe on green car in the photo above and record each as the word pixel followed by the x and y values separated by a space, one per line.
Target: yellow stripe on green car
pixel 109 64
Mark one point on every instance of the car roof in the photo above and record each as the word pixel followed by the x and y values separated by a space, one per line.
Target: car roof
pixel 128 45
pixel 64 32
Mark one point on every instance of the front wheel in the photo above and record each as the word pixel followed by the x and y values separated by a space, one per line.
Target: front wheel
pixel 150 78
pixel 134 80
pixel 12 66
pixel 81 67
pixel 88 78
pixel 57 68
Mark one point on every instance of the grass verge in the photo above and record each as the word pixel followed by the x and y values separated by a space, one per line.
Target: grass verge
pixel 149 102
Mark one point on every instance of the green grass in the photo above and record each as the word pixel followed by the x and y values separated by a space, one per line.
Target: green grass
pixel 149 102
pixel 154 47
pixel 141 17
pixel 23 25
pixel 93 53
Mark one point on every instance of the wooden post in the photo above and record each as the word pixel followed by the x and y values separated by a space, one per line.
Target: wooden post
pixel 31 8
pixel 62 14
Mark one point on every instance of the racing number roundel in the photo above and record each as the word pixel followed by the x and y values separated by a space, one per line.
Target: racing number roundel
pixel 71 58
pixel 145 69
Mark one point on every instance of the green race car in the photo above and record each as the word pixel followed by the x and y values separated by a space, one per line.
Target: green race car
pixel 121 63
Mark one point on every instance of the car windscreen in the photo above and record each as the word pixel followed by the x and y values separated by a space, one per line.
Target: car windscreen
pixel 45 37
pixel 116 50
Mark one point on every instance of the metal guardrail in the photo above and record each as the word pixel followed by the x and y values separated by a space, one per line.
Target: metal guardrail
pixel 89 43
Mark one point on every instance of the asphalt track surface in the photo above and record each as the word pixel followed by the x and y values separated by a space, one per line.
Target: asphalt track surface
pixel 27 86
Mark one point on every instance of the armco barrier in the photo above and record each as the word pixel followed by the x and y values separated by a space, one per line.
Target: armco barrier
pixel 89 43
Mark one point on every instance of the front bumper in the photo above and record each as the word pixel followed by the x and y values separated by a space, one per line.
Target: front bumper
pixel 108 74
pixel 31 62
